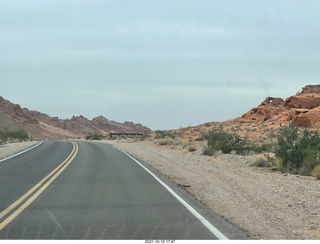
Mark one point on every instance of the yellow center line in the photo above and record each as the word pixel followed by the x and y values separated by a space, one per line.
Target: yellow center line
pixel 54 174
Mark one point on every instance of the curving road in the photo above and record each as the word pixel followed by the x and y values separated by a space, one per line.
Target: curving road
pixel 89 190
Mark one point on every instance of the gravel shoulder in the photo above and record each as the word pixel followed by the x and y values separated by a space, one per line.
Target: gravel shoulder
pixel 268 205
pixel 10 149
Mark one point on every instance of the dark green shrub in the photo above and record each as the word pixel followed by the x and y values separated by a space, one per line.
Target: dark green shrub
pixel 227 142
pixel 298 149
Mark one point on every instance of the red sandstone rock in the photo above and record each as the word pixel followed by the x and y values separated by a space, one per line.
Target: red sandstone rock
pixel 302 109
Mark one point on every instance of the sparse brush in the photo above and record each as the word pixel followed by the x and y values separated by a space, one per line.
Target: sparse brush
pixel 12 135
pixel 165 141
pixel 316 172
pixel 207 151
pixel 260 162
pixel 192 148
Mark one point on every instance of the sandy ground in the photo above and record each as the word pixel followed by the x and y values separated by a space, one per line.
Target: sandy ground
pixel 268 205
pixel 10 149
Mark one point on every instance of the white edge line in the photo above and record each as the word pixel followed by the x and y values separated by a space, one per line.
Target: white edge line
pixel 21 152
pixel 205 222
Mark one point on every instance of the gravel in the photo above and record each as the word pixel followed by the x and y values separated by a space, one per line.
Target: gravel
pixel 267 205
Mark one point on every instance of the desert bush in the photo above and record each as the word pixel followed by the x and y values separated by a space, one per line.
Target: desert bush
pixel 192 148
pixel 200 138
pixel 165 141
pixel 227 142
pixel 207 151
pixel 95 136
pixel 298 149
pixel 20 135
pixel 162 134
pixel 260 162
pixel 144 136
pixel 316 172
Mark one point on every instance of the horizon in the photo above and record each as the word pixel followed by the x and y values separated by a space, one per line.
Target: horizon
pixel 135 122
pixel 164 65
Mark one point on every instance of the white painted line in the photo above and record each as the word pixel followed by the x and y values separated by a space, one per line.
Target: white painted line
pixel 205 222
pixel 21 152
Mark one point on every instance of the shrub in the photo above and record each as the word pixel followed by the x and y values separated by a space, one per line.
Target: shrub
pixel 298 150
pixel 162 134
pixel 207 151
pixel 192 148
pixel 95 136
pixel 144 136
pixel 20 135
pixel 226 142
pixel 200 138
pixel 316 172
pixel 260 162
pixel 165 141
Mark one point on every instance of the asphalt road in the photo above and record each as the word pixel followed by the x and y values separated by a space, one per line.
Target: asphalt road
pixel 89 190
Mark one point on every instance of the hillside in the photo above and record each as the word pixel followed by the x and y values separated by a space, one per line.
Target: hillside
pixel 42 126
pixel 260 122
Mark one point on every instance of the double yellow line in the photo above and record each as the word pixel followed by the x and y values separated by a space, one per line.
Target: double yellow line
pixel 11 212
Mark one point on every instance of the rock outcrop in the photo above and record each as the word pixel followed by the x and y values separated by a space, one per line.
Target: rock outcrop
pixel 311 89
pixel 302 109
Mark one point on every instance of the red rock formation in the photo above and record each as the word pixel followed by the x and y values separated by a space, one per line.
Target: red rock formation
pixel 302 109
pixel 306 101
pixel 267 109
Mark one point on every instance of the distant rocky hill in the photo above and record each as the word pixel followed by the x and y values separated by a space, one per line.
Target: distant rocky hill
pixel 43 126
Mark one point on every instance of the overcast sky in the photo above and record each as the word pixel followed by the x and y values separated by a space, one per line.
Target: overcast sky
pixel 162 63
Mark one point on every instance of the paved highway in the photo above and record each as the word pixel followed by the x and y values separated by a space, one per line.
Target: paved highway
pixel 89 190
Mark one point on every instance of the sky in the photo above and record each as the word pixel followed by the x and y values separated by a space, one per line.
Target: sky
pixel 163 63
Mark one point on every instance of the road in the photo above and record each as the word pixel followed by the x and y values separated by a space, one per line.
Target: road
pixel 90 190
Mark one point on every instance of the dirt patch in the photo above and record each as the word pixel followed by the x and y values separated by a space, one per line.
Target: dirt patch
pixel 268 205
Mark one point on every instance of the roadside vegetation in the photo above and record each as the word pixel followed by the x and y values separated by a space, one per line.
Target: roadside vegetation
pixel 290 149
pixel 7 135
pixel 95 136
pixel 298 151
pixel 295 151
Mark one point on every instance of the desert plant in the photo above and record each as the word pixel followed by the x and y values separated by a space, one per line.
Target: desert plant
pixel 298 149
pixel 144 136
pixel 261 162
pixel 316 172
pixel 207 151
pixel 226 142
pixel 95 136
pixel 165 141
pixel 20 135
pixel 192 148
pixel 162 134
